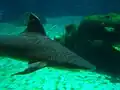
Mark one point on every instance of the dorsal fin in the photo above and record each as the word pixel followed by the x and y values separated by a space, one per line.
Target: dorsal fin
pixel 34 25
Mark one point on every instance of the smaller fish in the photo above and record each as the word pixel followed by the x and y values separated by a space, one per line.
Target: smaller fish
pixel 109 29
pixel 96 43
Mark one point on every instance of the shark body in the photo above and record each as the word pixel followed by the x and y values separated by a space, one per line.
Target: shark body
pixel 34 47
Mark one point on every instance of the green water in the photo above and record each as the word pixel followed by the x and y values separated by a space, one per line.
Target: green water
pixel 49 78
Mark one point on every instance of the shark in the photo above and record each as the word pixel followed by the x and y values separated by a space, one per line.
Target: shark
pixel 35 47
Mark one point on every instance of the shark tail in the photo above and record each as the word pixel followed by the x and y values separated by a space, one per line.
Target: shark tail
pixel 80 62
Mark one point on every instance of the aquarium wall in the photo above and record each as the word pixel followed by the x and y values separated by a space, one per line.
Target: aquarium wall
pixel 12 9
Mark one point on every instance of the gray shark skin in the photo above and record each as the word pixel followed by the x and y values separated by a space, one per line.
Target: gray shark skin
pixel 34 47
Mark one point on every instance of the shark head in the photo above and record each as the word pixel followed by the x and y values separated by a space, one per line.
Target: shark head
pixel 34 47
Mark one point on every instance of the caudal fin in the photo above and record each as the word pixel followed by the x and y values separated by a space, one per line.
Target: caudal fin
pixel 80 62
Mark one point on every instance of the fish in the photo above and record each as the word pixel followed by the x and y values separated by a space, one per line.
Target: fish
pixel 96 43
pixel 35 47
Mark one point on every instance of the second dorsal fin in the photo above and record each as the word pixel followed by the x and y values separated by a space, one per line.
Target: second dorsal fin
pixel 34 25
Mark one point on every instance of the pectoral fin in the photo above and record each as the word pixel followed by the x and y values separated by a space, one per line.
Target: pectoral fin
pixel 31 68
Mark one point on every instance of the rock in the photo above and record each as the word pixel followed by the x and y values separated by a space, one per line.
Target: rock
pixel 94 40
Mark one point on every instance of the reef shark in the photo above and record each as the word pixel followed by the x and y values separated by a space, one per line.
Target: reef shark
pixel 36 48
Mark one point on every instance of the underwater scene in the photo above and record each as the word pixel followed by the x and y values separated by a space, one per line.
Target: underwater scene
pixel 60 45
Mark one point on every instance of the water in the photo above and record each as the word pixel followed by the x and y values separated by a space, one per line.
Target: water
pixel 54 16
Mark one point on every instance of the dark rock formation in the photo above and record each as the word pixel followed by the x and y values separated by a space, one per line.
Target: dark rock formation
pixel 94 40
